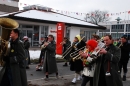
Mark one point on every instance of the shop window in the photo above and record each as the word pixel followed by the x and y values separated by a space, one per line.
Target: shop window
pixel 44 31
pixel 36 36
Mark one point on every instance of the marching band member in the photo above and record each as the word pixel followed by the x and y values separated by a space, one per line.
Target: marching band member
pixel 49 64
pixel 66 43
pixel 125 50
pixel 107 70
pixel 41 58
pixel 77 65
pixel 89 68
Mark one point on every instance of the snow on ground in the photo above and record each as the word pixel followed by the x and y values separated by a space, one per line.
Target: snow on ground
pixel 35 54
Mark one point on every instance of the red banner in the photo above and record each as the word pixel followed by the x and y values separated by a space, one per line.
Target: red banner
pixel 60 36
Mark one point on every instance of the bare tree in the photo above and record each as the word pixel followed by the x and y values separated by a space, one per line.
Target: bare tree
pixel 97 16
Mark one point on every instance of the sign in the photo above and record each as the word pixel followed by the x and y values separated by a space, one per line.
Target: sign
pixel 53 31
pixel 60 36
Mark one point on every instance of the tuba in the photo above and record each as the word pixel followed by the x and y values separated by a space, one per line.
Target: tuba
pixel 6 25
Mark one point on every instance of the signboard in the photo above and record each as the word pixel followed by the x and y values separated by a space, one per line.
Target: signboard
pixel 60 36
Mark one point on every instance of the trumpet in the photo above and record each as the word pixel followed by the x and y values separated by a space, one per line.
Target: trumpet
pixel 43 46
pixel 60 44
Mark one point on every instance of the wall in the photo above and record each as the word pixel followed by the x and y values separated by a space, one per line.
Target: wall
pixel 73 32
pixel 9 3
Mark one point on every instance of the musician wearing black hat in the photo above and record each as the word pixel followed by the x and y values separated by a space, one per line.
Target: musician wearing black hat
pixel 125 50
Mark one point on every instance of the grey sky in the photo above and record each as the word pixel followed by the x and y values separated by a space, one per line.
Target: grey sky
pixel 85 6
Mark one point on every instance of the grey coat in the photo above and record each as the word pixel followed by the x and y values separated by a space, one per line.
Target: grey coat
pixel 15 62
pixel 113 55
pixel 49 58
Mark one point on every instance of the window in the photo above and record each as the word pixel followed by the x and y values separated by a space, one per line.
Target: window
pixel 36 33
pixel 44 31
pixel 127 27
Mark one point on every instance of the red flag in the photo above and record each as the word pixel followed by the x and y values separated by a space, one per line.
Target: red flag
pixel 92 14
pixel 107 14
pixel 128 12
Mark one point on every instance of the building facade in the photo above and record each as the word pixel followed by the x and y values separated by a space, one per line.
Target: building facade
pixel 7 6
pixel 36 22
pixel 116 29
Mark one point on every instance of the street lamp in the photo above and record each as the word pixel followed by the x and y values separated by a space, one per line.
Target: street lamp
pixel 118 20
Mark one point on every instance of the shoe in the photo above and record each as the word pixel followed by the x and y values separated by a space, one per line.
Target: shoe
pixel 124 78
pixel 79 78
pixel 46 79
pixel 57 77
pixel 74 80
pixel 65 65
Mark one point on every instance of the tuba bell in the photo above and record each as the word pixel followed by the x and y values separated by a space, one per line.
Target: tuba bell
pixel 6 25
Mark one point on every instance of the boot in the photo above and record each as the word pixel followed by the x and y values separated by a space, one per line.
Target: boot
pixel 79 77
pixel 65 64
pixel 124 78
pixel 74 80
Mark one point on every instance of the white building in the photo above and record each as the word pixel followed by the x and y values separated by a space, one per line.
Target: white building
pixel 116 29
pixel 7 6
pixel 37 22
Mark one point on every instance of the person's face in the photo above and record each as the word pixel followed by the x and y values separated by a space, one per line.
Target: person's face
pixel 123 40
pixel 76 39
pixel 13 35
pixel 50 38
pixel 107 41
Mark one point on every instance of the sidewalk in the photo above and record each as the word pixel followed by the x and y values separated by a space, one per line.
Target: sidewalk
pixel 62 81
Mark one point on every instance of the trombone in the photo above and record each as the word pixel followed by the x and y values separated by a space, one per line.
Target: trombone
pixel 70 48
pixel 75 53
pixel 78 55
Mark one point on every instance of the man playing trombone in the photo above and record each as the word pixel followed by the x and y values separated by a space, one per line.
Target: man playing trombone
pixel 66 43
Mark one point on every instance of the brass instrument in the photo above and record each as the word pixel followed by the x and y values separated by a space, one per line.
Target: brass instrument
pixel 6 25
pixel 70 48
pixel 78 55
pixel 43 46
pixel 60 44
pixel 120 45
pixel 73 54
pixel 95 52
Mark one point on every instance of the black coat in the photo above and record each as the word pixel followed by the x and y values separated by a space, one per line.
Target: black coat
pixel 77 65
pixel 125 50
pixel 27 46
pixel 65 47
pixel 113 55
pixel 49 64
pixel 15 63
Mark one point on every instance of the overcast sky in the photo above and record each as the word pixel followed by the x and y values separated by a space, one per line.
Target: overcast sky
pixel 85 6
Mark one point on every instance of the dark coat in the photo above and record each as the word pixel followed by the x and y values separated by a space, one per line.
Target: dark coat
pixel 49 58
pixel 113 55
pixel 125 50
pixel 15 63
pixel 65 47
pixel 27 46
pixel 77 65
